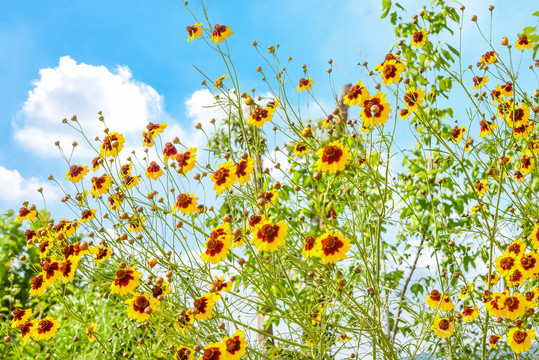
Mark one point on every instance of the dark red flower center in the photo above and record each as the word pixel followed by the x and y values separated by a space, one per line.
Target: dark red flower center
pixel 418 37
pixel 519 336
pixel 233 344
pixel 444 324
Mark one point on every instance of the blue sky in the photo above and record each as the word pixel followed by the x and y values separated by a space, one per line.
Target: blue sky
pixel 131 59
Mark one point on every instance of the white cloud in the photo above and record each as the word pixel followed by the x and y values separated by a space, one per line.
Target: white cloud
pixel 80 89
pixel 14 189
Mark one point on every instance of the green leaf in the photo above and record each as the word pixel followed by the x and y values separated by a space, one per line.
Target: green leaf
pixel 386 5
pixel 453 50
pixel 416 289
pixel 529 29
pixel 536 13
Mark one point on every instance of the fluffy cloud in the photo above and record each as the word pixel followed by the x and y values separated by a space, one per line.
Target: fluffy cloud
pixel 15 189
pixel 80 89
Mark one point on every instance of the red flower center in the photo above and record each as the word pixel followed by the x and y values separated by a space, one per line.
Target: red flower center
pixel 507 263
pixel 233 344
pixel 444 324
pixel 418 36
pixel 519 336
pixel 141 302
pixel 45 326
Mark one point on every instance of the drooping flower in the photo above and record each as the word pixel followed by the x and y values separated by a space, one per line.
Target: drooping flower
pixel 270 197
pixel 186 160
pixel 469 144
pixel 169 151
pixel 332 247
pixel 130 181
pixel 437 300
pixel 38 285
pixel 520 340
pixel 220 33
pixel 224 177
pixel 457 133
pixel 375 110
pixel 479 81
pixel 20 316
pixel 126 281
pixel 268 237
pixel 203 306
pixel 356 94
pixel 76 173
pixel 259 117
pixel 305 84
pixel 470 313
pixel 26 214
pixel 526 164
pixel 419 38
pixel 218 244
pixel 333 157
pixel 100 185
pixel 481 187
pixel 141 307
pixel 186 203
pixel 90 331
pixel 68 268
pixel 51 271
pixel 244 169
pixel 194 31
pixel 44 246
pixel 45 329
pixel 523 43
pixel 489 58
pixel 101 253
pixel 235 346
pixel 443 327
pixel 96 163
pixel 112 144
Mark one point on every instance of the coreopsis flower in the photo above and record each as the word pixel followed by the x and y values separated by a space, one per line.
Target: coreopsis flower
pixel 268 237
pixel 271 106
pixel 506 264
pixel 305 84
pixel 26 214
pixel 186 203
pixel 20 316
pixel 51 271
pixel 356 94
pixel 514 306
pixel 532 148
pixel 457 133
pixel 481 187
pixel 524 131
pixel 518 116
pixel 493 341
pixel 152 262
pixel 224 177
pixel 465 291
pixel 523 43
pixel 141 306
pixel 81 198
pixel 443 327
pixel 259 117
pixel 244 169
pixel 516 278
pixel 301 149
pixel 531 297
pixel 526 164
pixel 90 331
pixel 494 278
pixel 44 247
pixel 68 268
pixel 153 171
pixel 310 248
pixel 160 290
pixel 519 177
pixel 391 71
pixel 235 346
pixel 220 33
pixel 495 303
pixel 534 237
pixel 74 251
pixel 136 223
pixel 203 306
pixel 45 329
pixel 520 340
pixel 38 285
pixel 185 321
pixel 486 128
pixel 147 139
pixel 489 58
pixel 66 228
pixel 194 31
pixel 517 248
pixel 100 253
pixel 239 239
pixel 214 351
pixel 220 285
pixel 404 113
pixel 470 313
pixel 184 353
pixel 125 281
pixel 468 145
pixel 126 169
pixel 96 163
pixel 529 264
pixel 413 98
pixel 169 151
pixel 113 143
pixel 186 160
pixel 504 108
pixel 375 110
pixel 255 220
pixel 333 157
pixel 115 200
pixel 76 173
pixel 100 185
pixel 27 330
pixel 332 247
pixel 130 181
pixel 219 82
pixel 155 129
pixel 437 300
pixel 218 244
pixel 419 38
pixel 479 81
pixel 270 197
pixel 343 338
pixel 87 215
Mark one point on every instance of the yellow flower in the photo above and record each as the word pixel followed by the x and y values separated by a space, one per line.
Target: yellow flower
pixel 184 353
pixel 486 128
pixel 26 214
pixel 470 313
pixel 203 306
pixel 300 149
pixel 479 81
pixel 27 330
pixel 186 203
pixel 136 223
pixel 270 197
pixel 529 264
pixel 214 351
pixel 496 303
pixel 526 164
pixel 356 94
pixel 332 247
pixel 185 321
pixel 38 285
pixel 101 253
pixel 334 157
pixel 268 237
pixel 68 268
pixel 90 331
pixel 224 177
pixel 493 341
pixel 305 84
pixel 194 31
pixel 153 171
pixel 20 316
pixel 130 181
pixel 219 82
pixel 169 151
pixel 518 116
pixel 375 110
pixel 113 143
pixel 481 187
pixel 391 71
pixel 506 264
pixel 100 185
pixel 87 215
pixel 419 38
pixel 520 340
pixel 235 346
pixel 513 306
pixel 141 306
pixel 220 285
pixel 218 244
pixel 435 301
pixel 413 98
pixel 466 290
pixel 76 173
pixel 126 281
pixel 310 248
pixel 443 327
pixel 244 169
pixel 259 117
pixel 489 58
pixel 45 329
pixel 220 33
pixel 534 237
pixel 523 43
pixel 186 160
